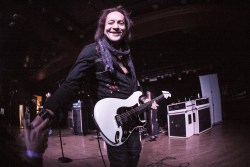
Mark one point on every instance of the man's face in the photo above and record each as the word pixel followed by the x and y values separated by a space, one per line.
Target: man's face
pixel 115 26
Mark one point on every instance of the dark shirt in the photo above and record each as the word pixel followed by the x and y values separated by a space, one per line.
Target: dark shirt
pixel 90 69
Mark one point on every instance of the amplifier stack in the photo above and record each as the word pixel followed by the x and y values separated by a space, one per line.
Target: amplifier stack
pixel 188 118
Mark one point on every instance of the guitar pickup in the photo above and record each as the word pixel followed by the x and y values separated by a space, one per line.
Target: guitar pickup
pixel 118 120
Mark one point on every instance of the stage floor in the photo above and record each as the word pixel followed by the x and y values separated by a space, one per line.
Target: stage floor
pixel 224 145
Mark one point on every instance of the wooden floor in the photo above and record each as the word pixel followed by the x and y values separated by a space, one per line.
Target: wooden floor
pixel 224 145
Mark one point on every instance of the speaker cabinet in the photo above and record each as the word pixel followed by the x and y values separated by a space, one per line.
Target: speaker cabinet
pixel 79 119
pixel 180 124
pixel 177 126
pixel 202 120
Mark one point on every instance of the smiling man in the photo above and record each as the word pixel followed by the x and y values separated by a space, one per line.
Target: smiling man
pixel 107 67
pixel 115 26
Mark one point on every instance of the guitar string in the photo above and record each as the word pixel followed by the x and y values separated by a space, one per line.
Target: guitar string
pixel 139 108
pixel 133 111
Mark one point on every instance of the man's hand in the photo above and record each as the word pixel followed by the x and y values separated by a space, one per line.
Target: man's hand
pixel 37 121
pixel 154 104
pixel 36 138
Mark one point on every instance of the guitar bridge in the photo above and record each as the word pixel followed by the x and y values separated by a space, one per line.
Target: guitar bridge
pixel 118 120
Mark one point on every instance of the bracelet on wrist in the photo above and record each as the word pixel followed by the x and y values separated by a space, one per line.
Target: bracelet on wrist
pixel 33 154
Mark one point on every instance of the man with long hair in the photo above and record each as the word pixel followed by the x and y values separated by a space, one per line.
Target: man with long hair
pixel 107 66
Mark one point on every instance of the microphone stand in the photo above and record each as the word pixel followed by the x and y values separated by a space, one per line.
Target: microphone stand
pixel 63 159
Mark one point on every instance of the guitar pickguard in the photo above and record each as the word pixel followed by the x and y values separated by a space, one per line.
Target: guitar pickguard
pixel 128 122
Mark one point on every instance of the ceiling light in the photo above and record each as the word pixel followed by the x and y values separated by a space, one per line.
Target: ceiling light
pixel 70 28
pixel 12 24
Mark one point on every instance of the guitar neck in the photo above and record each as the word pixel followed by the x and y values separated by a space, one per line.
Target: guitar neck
pixel 140 109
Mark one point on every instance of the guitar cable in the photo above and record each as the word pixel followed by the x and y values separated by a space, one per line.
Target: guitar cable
pixel 98 139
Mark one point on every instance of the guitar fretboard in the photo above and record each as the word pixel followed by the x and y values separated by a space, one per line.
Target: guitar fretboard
pixel 140 109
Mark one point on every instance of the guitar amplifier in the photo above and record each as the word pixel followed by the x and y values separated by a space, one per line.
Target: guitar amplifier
pixel 203 121
pixel 180 119
pixel 180 125
pixel 201 114
pixel 79 119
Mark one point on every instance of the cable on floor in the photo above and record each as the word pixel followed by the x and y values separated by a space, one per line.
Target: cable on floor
pixel 162 163
pixel 98 139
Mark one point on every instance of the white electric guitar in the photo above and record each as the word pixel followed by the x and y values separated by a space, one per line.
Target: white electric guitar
pixel 117 118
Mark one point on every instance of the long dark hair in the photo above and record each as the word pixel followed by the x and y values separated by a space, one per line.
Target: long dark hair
pixel 102 19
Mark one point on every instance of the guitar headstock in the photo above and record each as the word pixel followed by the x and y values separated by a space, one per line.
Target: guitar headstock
pixel 166 94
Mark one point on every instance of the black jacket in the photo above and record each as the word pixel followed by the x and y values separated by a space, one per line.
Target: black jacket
pixel 90 69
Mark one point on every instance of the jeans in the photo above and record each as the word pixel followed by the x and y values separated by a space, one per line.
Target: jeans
pixel 127 154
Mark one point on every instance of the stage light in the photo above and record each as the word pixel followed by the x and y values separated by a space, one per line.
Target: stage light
pixel 12 24
pixel 21 116
pixel 179 77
